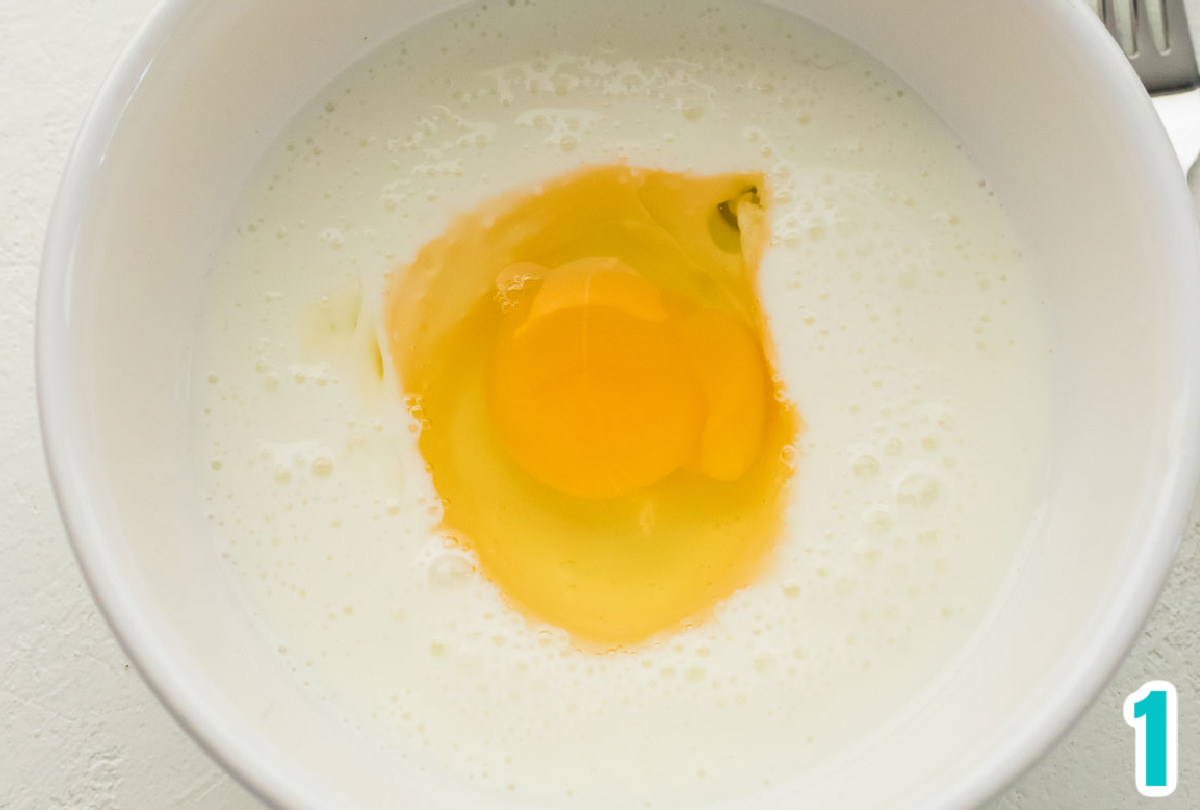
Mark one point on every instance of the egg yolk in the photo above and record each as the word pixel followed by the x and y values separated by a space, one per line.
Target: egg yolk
pixel 591 366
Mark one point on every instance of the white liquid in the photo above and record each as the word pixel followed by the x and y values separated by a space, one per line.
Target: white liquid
pixel 908 333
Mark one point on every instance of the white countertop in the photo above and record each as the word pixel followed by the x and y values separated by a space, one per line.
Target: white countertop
pixel 79 729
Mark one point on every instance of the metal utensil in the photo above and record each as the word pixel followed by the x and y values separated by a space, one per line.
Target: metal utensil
pixel 1167 66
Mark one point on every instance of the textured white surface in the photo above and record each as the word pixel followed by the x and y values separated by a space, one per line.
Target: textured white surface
pixel 78 729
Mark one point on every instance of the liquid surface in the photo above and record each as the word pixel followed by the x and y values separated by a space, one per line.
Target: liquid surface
pixel 906 331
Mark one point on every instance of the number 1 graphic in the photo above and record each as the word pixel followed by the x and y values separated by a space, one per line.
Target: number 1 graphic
pixel 1153 711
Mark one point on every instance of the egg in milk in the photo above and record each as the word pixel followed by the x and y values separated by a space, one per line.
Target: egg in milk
pixel 813 350
pixel 589 360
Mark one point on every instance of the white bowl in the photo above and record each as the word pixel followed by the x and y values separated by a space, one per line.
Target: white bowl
pixel 1053 114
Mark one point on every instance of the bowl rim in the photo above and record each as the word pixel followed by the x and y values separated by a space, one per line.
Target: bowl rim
pixel 265 774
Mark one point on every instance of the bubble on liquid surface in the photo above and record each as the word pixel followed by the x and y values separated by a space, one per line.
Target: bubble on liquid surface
pixel 450 570
pixel 866 466
pixel 877 520
pixel 919 489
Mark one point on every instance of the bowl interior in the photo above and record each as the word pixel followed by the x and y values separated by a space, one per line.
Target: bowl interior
pixel 1051 113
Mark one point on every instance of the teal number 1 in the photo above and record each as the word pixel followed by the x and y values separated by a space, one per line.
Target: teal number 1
pixel 1153 712
pixel 1154 708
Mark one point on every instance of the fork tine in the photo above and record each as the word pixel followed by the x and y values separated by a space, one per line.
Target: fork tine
pixel 1143 32
pixel 1170 70
pixel 1108 10
pixel 1175 24
pixel 1178 63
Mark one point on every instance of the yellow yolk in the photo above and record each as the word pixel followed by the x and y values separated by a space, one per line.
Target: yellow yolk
pixel 592 393
pixel 591 365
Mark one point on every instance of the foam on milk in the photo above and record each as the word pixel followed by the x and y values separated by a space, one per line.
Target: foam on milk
pixel 908 331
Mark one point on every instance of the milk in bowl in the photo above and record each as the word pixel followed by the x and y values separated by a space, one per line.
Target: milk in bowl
pixel 624 404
